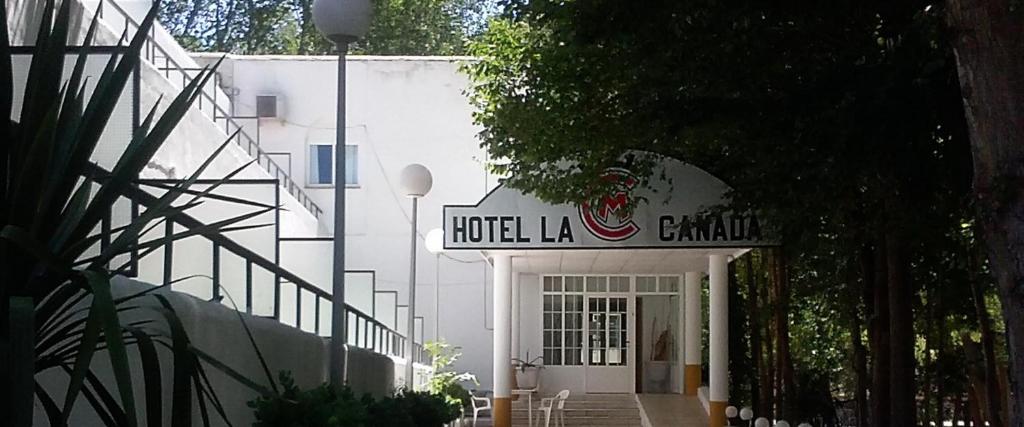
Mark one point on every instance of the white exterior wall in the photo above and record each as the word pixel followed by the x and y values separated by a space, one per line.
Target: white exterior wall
pixel 217 331
pixel 399 111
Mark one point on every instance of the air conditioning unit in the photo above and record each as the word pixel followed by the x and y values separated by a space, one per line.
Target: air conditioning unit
pixel 266 106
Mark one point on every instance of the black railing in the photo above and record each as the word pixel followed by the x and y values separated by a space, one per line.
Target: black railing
pixel 364 333
pixel 369 333
pixel 153 53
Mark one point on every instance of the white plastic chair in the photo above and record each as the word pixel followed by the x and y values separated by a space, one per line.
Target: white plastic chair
pixel 480 404
pixel 548 404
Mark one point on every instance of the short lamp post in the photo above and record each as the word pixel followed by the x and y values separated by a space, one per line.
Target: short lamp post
pixel 747 414
pixel 415 182
pixel 434 242
pixel 730 413
pixel 342 22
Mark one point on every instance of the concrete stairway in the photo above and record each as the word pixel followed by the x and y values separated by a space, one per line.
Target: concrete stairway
pixel 586 410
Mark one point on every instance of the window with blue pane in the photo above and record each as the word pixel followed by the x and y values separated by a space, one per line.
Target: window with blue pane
pixel 321 164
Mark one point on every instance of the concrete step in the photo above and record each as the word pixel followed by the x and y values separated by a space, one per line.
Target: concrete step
pixel 587 410
pixel 584 422
pixel 614 413
pixel 582 405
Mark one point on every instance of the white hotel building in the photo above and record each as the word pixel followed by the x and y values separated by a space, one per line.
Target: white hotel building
pixel 610 305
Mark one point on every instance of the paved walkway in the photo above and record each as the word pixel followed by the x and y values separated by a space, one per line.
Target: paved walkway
pixel 664 410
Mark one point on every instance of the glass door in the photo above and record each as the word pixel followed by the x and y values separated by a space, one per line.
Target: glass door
pixel 608 333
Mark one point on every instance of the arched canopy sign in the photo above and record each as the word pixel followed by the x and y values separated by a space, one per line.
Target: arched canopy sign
pixel 675 212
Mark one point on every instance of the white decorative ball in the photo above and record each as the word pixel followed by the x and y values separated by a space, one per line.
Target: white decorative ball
pixel 746 414
pixel 416 180
pixel 342 20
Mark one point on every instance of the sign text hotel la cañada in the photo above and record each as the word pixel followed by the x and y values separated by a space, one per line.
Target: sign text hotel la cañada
pixel 675 215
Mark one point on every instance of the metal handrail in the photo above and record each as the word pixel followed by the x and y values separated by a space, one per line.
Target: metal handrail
pixel 375 336
pixel 252 147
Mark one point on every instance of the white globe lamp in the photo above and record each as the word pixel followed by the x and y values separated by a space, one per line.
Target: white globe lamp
pixel 730 411
pixel 416 180
pixel 434 241
pixel 781 423
pixel 762 422
pixel 746 414
pixel 342 21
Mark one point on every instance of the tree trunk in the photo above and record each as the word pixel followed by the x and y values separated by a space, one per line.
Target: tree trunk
pixel 958 407
pixel 941 341
pixel 929 374
pixel 770 387
pixel 988 38
pixel 768 372
pixel 741 371
pixel 783 360
pixel 755 336
pixel 860 368
pixel 860 352
pixel 994 400
pixel 903 409
pixel 193 13
pixel 880 357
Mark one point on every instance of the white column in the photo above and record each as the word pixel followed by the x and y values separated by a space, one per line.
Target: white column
pixel 681 333
pixel 693 324
pixel 718 393
pixel 502 340
pixel 515 314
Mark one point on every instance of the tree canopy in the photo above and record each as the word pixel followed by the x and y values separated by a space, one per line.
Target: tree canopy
pixel 841 122
pixel 399 27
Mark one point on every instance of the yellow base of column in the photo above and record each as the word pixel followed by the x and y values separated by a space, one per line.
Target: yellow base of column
pixel 691 380
pixel 503 412
pixel 717 413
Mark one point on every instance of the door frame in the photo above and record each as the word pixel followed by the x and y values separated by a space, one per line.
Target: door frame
pixel 630 320
pixel 632 299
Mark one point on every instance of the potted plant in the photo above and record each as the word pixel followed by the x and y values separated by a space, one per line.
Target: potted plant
pixel 527 372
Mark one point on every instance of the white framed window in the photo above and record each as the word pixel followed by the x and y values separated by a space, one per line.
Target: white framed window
pixel 657 284
pixel 320 165
pixel 563 321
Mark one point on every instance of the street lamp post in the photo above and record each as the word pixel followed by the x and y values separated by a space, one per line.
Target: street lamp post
pixel 342 22
pixel 415 182
pixel 434 242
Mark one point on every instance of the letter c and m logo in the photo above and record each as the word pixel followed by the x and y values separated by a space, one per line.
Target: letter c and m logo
pixel 610 218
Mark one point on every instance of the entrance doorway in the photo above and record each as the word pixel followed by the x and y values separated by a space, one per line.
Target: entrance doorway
pixel 590 332
pixel 656 349
pixel 609 330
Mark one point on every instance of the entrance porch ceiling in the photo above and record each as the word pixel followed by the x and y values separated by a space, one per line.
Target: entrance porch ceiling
pixel 615 261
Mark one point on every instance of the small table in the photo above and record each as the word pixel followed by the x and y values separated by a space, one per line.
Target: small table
pixel 529 401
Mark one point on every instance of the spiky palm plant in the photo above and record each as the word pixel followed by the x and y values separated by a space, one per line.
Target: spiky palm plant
pixel 57 309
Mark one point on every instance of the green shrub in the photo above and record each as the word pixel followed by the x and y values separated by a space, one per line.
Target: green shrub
pixel 413 409
pixel 457 393
pixel 319 407
pixel 445 382
pixel 323 407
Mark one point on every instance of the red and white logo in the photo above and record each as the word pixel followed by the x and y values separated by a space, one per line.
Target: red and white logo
pixel 611 219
